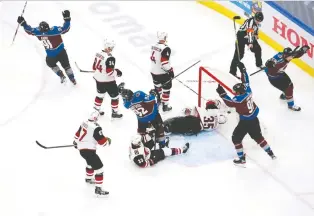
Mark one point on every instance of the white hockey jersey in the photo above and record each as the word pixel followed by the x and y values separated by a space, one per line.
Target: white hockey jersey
pixel 209 118
pixel 103 66
pixel 89 135
pixel 160 59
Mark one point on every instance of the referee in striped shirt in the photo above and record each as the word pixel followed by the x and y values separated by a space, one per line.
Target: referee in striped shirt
pixel 248 35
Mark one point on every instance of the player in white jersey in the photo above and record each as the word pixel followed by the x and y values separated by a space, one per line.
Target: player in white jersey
pixel 161 69
pixel 86 140
pixel 105 76
pixel 144 157
pixel 196 120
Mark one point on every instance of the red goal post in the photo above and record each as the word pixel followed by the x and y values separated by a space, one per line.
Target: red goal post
pixel 225 80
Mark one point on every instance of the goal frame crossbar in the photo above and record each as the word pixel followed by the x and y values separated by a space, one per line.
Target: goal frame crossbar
pixel 215 78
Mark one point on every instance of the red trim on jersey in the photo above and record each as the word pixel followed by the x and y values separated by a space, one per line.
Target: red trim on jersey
pixel 109 70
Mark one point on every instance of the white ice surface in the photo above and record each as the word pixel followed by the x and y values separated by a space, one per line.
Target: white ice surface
pixel 34 106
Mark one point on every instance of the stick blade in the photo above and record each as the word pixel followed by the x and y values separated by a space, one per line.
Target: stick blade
pixel 38 143
pixel 236 17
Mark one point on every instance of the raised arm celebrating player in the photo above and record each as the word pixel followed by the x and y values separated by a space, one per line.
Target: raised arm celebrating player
pixel 248 111
pixel 196 120
pixel 53 43
pixel 275 70
pixel 144 157
pixel 146 110
pixel 161 69
pixel 87 138
pixel 105 76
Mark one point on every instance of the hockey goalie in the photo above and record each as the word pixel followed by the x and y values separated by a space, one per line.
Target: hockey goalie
pixel 195 120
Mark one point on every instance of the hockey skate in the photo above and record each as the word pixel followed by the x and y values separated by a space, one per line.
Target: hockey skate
pixel 116 114
pixel 294 108
pixel 241 161
pixel 186 148
pixel 73 81
pixel 271 154
pixel 101 112
pixel 63 79
pixel 166 107
pixel 100 192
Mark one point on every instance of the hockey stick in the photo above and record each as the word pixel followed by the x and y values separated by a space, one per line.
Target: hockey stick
pixel 190 88
pixel 205 81
pixel 44 147
pixel 17 28
pixel 83 71
pixel 257 71
pixel 182 72
pixel 235 33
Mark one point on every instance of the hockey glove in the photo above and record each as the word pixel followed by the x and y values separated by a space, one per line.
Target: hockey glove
pixel 21 20
pixel 221 91
pixel 75 144
pixel 270 63
pixel 300 52
pixel 108 141
pixel 66 15
pixel 120 87
pixel 119 73
pixel 241 67
pixel 171 74
pixel 153 92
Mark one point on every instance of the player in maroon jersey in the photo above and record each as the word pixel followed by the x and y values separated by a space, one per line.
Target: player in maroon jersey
pixel 248 111
pixel 53 43
pixel 275 71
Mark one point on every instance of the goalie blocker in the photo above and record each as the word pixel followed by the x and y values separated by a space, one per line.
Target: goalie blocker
pixel 196 120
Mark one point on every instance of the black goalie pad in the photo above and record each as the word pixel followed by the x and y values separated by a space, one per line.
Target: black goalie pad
pixel 187 125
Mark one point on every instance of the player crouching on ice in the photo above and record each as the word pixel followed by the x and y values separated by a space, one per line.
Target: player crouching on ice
pixel 275 70
pixel 146 110
pixel 53 43
pixel 88 137
pixel 196 120
pixel 144 157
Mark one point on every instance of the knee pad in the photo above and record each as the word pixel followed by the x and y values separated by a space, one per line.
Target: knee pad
pixel 167 86
pixel 100 95
pixel 235 140
pixel 99 171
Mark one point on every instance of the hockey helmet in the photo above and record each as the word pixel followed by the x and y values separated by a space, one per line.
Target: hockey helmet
pixel 136 141
pixel 259 17
pixel 211 104
pixel 43 26
pixel 162 36
pixel 127 94
pixel 94 116
pixel 109 44
pixel 239 88
pixel 287 52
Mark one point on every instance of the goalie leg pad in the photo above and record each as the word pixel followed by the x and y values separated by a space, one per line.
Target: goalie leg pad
pixel 184 125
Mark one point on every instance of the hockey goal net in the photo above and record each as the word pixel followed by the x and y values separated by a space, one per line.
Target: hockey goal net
pixel 208 80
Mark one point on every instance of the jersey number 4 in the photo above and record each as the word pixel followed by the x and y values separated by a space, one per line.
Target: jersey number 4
pixel 82 135
pixel 152 57
pixel 97 65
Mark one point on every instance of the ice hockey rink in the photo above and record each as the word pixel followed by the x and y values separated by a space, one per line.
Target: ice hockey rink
pixel 35 106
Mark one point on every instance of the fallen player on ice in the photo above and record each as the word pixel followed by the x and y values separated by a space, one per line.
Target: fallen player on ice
pixel 196 120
